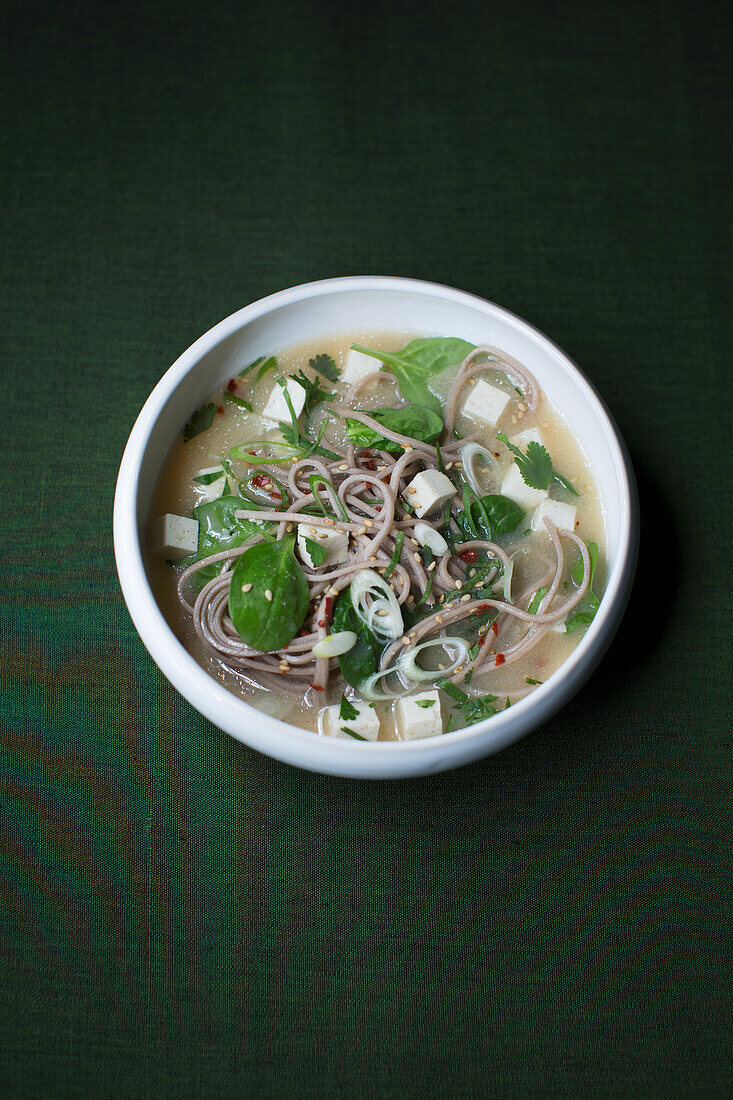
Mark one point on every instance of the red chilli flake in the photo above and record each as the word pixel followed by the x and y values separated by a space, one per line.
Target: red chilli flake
pixel 304 633
pixel 495 628
pixel 328 610
pixel 481 641
pixel 469 555
pixel 321 622
pixel 220 409
pixel 369 464
pixel 316 687
pixel 260 480
pixel 500 659
pixel 232 385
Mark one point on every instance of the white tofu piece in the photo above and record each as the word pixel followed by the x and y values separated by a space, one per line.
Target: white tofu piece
pixel 418 716
pixel 366 724
pixel 213 491
pixel 530 435
pixel 485 403
pixel 559 513
pixel 525 496
pixel 428 491
pixel 334 541
pixel 559 627
pixel 276 407
pixel 358 366
pixel 175 536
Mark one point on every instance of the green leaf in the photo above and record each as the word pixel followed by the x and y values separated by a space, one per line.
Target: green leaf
pixel 533 683
pixel 316 552
pixel 590 602
pixel 314 395
pixel 234 400
pixel 473 710
pixel 413 421
pixel 202 419
pixel 536 465
pixel 269 622
pixel 252 366
pixel 326 366
pixel 347 710
pixel 420 361
pixel 209 479
pixel 426 702
pixel 399 539
pixel 536 601
pixel 353 733
pixel 363 659
pixel 219 529
pixel 268 365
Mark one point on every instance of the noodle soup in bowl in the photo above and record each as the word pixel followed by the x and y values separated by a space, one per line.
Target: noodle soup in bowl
pixel 375 527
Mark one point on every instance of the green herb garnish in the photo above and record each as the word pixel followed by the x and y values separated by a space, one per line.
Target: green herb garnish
pixel 536 601
pixel 419 361
pixel 352 733
pixel 314 395
pixel 347 710
pixel 326 366
pixel 399 539
pixel 210 478
pixel 234 400
pixel 533 683
pixel 202 419
pixel 425 702
pixel 473 710
pixel 590 600
pixel 536 465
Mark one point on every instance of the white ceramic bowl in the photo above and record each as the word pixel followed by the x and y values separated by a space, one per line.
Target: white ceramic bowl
pixel 320 309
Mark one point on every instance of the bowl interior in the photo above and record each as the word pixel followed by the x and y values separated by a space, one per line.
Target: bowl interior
pixel 323 309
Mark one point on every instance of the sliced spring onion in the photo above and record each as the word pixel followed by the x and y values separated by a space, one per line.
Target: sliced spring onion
pixel 470 453
pixel 335 644
pixel 368 689
pixel 314 481
pixel 456 647
pixel 382 613
pixel 428 536
pixel 508 573
pixel 275 452
pixel 399 539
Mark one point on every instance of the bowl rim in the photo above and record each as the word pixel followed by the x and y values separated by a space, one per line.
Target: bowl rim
pixel 272 735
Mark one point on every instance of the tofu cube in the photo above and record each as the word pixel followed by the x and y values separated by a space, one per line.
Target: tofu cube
pixel 559 513
pixel 333 541
pixel 485 403
pixel 366 723
pixel 428 491
pixel 418 716
pixel 358 366
pixel 525 496
pixel 175 536
pixel 212 491
pixel 530 435
pixel 560 627
pixel 276 407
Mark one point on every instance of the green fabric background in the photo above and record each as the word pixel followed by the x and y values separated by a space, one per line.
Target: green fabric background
pixel 184 917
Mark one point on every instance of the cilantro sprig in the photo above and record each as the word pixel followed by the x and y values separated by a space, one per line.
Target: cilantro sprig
pixel 472 709
pixel 536 465
pixel 314 395
pixel 326 366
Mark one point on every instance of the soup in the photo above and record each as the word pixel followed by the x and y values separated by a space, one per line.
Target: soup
pixel 380 537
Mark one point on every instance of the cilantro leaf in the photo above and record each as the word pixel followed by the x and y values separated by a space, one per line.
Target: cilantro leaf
pixel 473 710
pixel 314 395
pixel 202 419
pixel 347 710
pixel 234 400
pixel 536 465
pixel 317 555
pixel 295 439
pixel 326 366
pixel 426 702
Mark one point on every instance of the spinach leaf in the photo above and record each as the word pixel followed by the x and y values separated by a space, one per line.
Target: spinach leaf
pixel 590 600
pixel 268 595
pixel 210 478
pixel 419 361
pixel 202 419
pixel 414 421
pixel 219 529
pixel 363 659
pixel 326 366
pixel 536 601
pixel 504 516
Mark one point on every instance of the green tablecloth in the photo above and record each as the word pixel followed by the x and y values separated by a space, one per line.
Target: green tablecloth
pixel 183 917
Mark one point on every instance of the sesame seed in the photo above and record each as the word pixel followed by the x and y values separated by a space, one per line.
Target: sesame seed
pixel 381 572
pixel 246 587
pixel 330 522
pixel 414 542
pixel 381 469
pixel 382 612
pixel 405 640
pixel 464 599
pixel 416 556
pixel 361 530
pixel 459 584
pixel 268 595
pixel 368 523
pixel 333 591
pixel 343 466
pixel 372 557
pixel 431 567
pixel 459 669
pixel 449 465
pixel 411 490
pixel 439 619
pixel 408 448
